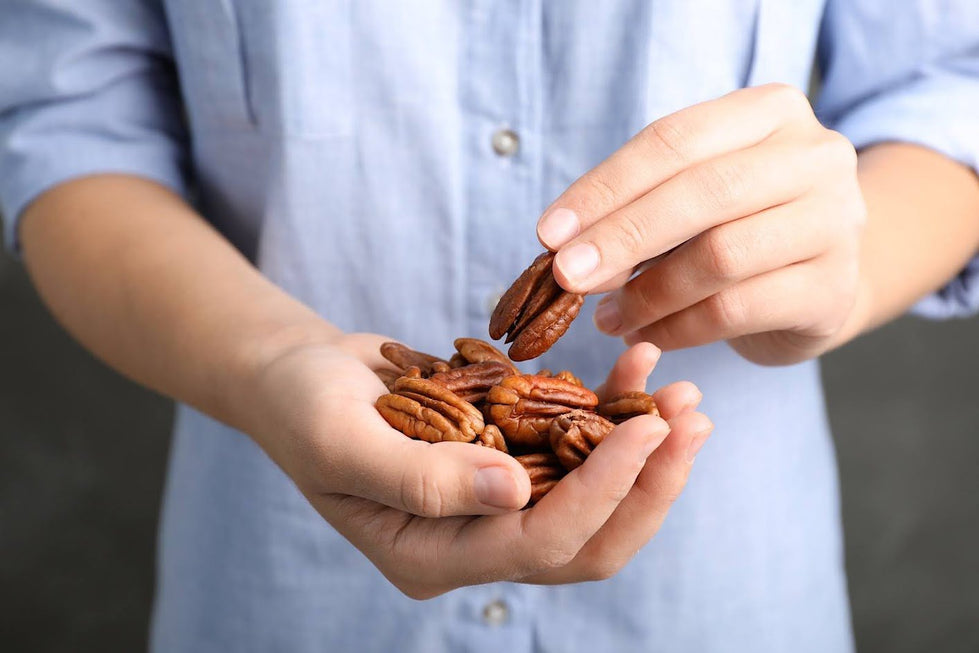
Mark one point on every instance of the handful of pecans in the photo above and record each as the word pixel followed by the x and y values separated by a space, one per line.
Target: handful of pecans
pixel 548 421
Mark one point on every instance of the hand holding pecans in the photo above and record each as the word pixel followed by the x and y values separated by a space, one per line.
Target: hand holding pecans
pixel 548 422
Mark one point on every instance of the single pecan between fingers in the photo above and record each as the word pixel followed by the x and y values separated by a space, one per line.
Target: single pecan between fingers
pixel 544 470
pixel 574 435
pixel 524 405
pixel 626 405
pixel 425 410
pixel 535 311
pixel 404 357
pixel 472 382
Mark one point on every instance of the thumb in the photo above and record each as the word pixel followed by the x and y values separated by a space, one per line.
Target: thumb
pixel 445 479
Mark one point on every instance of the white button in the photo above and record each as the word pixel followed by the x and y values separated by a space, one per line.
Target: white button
pixel 496 612
pixel 506 142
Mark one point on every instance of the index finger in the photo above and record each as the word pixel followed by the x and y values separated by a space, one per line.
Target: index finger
pixel 666 147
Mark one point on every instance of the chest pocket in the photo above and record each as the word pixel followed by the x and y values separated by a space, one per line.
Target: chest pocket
pixel 281 67
pixel 211 63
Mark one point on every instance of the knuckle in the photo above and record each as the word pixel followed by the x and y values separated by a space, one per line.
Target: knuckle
pixel 619 492
pixel 667 134
pixel 637 304
pixel 421 494
pixel 601 189
pixel 553 557
pixel 790 98
pixel 725 260
pixel 837 150
pixel 630 233
pixel 727 309
pixel 722 185
pixel 604 567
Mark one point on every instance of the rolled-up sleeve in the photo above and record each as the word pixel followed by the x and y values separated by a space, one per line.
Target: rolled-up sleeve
pixel 86 87
pixel 907 72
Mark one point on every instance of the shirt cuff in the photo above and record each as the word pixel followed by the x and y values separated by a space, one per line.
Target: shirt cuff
pixel 42 148
pixel 937 112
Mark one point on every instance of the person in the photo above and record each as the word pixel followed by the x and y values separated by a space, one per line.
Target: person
pixel 227 200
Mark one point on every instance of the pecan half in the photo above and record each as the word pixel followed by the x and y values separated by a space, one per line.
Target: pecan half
pixel 404 357
pixel 544 470
pixel 626 405
pixel 472 382
pixel 524 405
pixel 535 311
pixel 574 435
pixel 425 410
pixel 475 350
pixel 492 438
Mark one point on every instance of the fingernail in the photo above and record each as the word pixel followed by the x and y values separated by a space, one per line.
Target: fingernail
pixel 692 406
pixel 558 227
pixel 697 442
pixel 578 261
pixel 607 318
pixel 494 486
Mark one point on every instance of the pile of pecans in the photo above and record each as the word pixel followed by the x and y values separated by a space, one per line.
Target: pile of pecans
pixel 548 422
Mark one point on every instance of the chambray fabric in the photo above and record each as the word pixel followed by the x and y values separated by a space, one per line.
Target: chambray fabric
pixel 345 147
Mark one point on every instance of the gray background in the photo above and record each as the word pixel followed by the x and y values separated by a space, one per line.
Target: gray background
pixel 82 456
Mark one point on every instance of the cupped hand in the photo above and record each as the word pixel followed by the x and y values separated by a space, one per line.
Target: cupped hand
pixel 743 218
pixel 434 517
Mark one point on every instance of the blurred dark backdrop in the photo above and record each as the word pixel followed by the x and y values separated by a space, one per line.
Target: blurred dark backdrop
pixel 82 456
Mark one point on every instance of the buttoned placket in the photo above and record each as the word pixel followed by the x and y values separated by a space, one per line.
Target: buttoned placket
pixel 501 93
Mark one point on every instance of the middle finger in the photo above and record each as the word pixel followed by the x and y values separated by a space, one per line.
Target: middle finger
pixel 701 197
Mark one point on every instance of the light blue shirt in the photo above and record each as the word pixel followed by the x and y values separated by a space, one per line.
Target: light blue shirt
pixel 346 147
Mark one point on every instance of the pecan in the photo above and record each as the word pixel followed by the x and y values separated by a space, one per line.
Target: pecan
pixel 472 382
pixel 458 360
pixel 492 438
pixel 405 357
pixel 574 435
pixel 628 404
pixel 475 350
pixel 425 410
pixel 524 405
pixel 563 374
pixel 544 470
pixel 535 311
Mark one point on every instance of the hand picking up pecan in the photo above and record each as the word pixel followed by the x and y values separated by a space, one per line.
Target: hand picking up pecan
pixel 535 311
pixel 547 421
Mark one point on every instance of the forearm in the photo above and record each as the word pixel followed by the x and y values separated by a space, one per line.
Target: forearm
pixel 148 286
pixel 922 228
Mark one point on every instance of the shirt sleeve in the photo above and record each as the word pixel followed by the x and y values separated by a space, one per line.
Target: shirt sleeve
pixel 907 72
pixel 86 87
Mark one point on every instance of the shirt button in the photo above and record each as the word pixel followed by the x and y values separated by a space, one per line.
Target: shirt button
pixel 495 613
pixel 506 142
